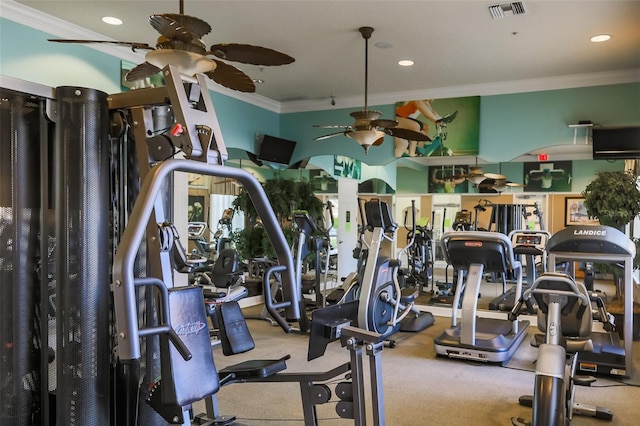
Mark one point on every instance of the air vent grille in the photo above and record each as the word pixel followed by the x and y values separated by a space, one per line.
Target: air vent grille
pixel 517 8
pixel 501 10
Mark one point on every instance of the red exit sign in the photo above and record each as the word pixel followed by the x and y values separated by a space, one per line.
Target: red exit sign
pixel 543 157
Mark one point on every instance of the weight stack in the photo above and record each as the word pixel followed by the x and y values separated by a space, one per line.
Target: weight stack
pixel 20 351
pixel 82 194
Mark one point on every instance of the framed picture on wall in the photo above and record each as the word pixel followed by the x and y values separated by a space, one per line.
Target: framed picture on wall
pixel 575 212
pixel 198 209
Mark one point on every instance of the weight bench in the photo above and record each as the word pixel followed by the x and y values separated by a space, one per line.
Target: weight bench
pixel 235 338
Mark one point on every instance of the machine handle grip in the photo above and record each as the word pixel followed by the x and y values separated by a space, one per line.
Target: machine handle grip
pixel 179 344
pixel 165 321
pixel 272 307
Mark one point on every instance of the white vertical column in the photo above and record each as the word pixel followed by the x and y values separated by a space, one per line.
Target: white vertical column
pixel 347 225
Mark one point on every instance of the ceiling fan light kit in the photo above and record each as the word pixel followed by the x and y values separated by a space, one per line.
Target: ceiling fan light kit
pixel 368 128
pixel 367 138
pixel 190 63
pixel 476 179
pixel 180 44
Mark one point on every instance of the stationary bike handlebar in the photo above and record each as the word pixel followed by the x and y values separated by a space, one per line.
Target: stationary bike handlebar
pixel 574 292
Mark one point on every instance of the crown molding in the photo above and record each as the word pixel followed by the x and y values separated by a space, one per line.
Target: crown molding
pixel 57 27
pixel 483 89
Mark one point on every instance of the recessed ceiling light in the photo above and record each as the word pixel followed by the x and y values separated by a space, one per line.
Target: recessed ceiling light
pixel 258 81
pixel 600 38
pixel 383 45
pixel 405 63
pixel 111 20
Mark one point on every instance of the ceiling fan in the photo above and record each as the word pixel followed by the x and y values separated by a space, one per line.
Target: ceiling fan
pixel 493 182
pixel 180 44
pixel 369 129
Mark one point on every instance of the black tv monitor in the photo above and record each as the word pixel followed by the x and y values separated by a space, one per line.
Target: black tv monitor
pixel 616 142
pixel 276 150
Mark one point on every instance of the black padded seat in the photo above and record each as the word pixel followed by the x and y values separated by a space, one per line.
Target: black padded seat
pixel 235 338
pixel 253 369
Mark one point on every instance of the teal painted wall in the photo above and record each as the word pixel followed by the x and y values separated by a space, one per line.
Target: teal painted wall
pixel 240 122
pixel 511 125
pixel 26 54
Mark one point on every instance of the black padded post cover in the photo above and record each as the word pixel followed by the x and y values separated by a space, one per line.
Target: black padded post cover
pixel 21 315
pixel 82 195
pixel 185 382
pixel 234 333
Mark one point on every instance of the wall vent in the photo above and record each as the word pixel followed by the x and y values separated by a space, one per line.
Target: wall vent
pixel 501 10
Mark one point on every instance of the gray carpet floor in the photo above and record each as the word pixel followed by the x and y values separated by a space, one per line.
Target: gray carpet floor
pixel 419 388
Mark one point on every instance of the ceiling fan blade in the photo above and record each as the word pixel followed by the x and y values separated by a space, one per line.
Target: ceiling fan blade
pixel 515 184
pixel 194 24
pixel 321 138
pixel 142 71
pixel 332 126
pixel 248 54
pixel 231 77
pixel 383 122
pixel 410 135
pixel 495 176
pixel 132 44
pixel 176 26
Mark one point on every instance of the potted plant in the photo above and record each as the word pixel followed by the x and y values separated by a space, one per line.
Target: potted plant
pixel 285 196
pixel 613 198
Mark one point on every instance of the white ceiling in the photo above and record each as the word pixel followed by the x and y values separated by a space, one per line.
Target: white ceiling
pixel 453 43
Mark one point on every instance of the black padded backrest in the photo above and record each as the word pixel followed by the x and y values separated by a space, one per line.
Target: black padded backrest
pixel 234 334
pixel 184 382
pixel 490 254
pixel 224 268
pixel 491 249
pixel 378 215
pixel 576 319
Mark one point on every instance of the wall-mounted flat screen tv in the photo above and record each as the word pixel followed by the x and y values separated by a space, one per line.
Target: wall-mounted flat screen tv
pixel 616 142
pixel 276 150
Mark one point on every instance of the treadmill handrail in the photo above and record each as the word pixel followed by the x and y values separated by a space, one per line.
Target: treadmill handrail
pixel 551 276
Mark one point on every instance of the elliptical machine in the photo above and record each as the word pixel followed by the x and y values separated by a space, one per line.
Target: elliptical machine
pixel 419 252
pixel 382 305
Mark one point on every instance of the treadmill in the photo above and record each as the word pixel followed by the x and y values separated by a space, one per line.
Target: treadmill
pixel 601 244
pixel 479 339
pixel 529 243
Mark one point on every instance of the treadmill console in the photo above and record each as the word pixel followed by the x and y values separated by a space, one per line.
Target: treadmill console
pixel 529 241
pixel 592 239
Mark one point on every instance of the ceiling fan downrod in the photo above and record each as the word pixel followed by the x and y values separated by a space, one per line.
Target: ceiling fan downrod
pixel 366 35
